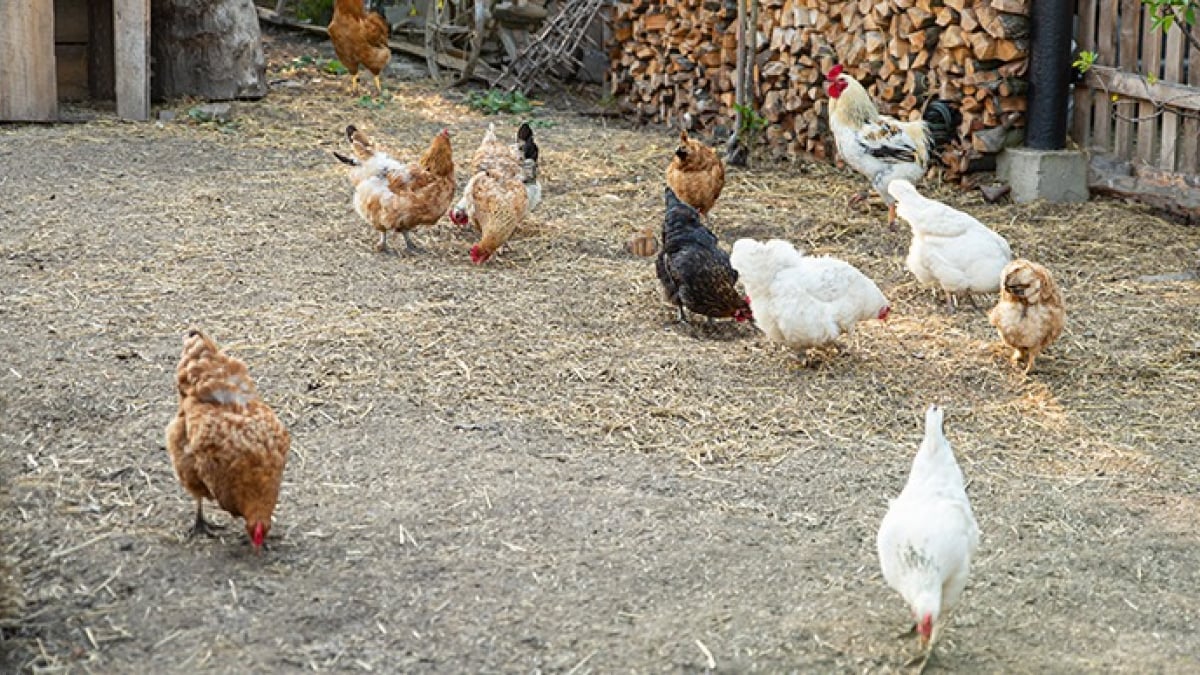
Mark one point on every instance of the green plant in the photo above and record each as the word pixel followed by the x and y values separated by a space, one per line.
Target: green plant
pixel 371 103
pixel 1166 13
pixel 1084 61
pixel 334 67
pixel 751 125
pixel 496 101
pixel 318 12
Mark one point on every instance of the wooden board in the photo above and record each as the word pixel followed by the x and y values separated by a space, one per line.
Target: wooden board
pixel 1081 126
pixel 28 89
pixel 1127 54
pixel 1189 153
pixel 1147 136
pixel 1106 50
pixel 1172 72
pixel 131 50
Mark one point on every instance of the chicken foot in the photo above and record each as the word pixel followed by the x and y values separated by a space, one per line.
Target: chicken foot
pixel 201 525
pixel 408 244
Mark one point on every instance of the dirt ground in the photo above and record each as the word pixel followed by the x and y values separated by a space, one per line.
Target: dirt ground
pixel 525 466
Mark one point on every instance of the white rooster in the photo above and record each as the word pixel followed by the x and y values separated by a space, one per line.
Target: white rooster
pixel 802 301
pixel 949 248
pixel 928 537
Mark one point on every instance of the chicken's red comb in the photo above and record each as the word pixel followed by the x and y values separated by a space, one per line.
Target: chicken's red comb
pixel 834 72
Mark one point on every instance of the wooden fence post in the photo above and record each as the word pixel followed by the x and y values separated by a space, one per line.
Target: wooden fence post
pixel 131 47
pixel 28 80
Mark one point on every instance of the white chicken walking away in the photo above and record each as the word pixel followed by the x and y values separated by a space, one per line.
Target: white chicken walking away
pixel 929 535
pixel 949 248
pixel 802 301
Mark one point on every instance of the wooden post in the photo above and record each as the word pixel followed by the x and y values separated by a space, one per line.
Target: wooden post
pixel 131 47
pixel 28 78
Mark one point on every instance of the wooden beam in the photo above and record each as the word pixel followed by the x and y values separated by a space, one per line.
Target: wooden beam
pixel 131 50
pixel 483 72
pixel 1132 85
pixel 28 84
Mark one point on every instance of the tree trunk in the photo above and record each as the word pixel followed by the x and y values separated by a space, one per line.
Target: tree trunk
pixel 207 48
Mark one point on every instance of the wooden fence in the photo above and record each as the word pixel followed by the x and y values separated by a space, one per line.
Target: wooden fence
pixel 1140 102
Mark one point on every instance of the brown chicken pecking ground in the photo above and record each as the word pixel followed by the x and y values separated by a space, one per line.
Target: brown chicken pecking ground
pixel 519 467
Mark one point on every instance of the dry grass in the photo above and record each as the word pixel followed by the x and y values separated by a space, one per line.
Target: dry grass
pixel 122 235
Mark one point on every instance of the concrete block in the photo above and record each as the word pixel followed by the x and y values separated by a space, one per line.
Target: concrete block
pixel 1054 175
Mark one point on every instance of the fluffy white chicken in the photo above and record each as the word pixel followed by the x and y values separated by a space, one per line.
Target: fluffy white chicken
pixel 929 535
pixel 949 248
pixel 802 301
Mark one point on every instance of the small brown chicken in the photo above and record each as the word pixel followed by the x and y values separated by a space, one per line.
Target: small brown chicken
pixel 392 196
pixel 1030 314
pixel 226 444
pixel 360 38
pixel 696 174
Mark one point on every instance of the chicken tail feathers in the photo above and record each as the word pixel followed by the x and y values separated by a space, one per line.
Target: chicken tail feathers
pixel 346 160
pixel 943 120
pixel 529 149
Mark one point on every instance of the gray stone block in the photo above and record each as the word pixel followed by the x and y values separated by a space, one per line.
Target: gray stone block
pixel 1054 175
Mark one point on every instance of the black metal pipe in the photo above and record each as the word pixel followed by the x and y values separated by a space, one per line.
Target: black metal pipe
pixel 1049 73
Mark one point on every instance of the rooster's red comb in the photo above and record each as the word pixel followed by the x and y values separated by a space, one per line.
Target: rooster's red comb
pixel 834 72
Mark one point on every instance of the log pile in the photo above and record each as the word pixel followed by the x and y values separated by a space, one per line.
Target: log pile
pixel 671 59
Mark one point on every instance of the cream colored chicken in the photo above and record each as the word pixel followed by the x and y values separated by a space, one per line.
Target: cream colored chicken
pixel 1030 314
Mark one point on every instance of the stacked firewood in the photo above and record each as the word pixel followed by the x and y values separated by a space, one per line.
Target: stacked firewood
pixel 674 61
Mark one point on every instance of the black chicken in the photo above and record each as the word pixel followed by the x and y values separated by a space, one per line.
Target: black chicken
pixel 695 273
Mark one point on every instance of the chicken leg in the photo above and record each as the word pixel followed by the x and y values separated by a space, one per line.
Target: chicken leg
pixel 201 525
pixel 382 246
pixel 892 216
pixel 408 244
pixel 354 83
pixel 379 86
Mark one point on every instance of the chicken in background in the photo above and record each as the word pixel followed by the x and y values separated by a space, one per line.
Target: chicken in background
pixel 696 174
pixel 949 248
pixel 801 301
pixel 929 535
pixel 392 196
pixel 225 443
pixel 694 272
pixel 360 38
pixel 881 147
pixel 503 188
pixel 1030 313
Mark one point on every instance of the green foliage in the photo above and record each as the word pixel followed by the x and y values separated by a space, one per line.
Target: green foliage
pixel 496 101
pixel 751 126
pixel 371 103
pixel 334 67
pixel 1084 61
pixel 319 12
pixel 540 124
pixel 1165 12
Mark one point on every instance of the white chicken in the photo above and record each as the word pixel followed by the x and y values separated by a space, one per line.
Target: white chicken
pixel 802 301
pixel 881 147
pixel 929 535
pixel 949 248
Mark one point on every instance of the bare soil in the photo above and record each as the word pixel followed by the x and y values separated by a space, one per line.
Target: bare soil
pixel 526 466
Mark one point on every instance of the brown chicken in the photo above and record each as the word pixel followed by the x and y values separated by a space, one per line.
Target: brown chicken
pixel 360 38
pixel 501 192
pixel 400 197
pixel 226 444
pixel 1030 314
pixel 696 174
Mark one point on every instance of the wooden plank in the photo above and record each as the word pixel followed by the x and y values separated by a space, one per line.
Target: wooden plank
pixel 1147 136
pixel 1135 86
pixel 1172 72
pixel 1106 55
pixel 1081 126
pixel 483 72
pixel 101 69
pixel 1127 56
pixel 1189 152
pixel 131 50
pixel 28 89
